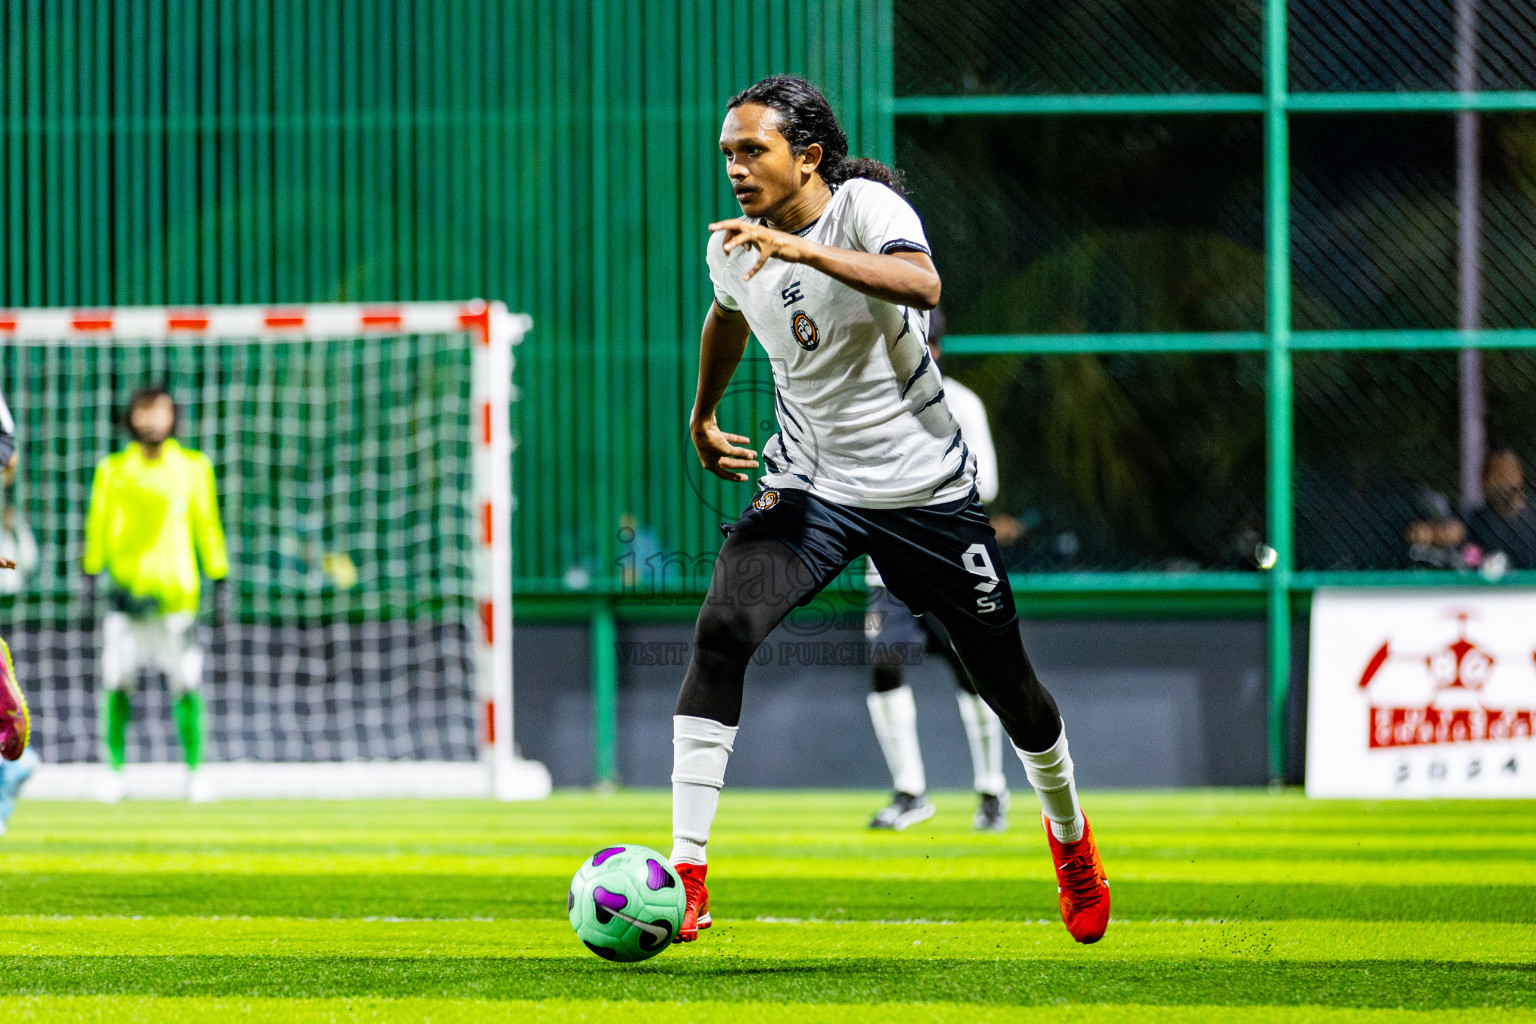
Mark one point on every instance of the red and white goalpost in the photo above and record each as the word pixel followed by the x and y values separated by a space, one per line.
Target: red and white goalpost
pixel 340 429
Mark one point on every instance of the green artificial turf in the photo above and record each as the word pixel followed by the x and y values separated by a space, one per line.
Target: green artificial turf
pixel 1243 906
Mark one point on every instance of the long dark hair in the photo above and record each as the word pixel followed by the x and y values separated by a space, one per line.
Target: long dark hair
pixel 805 117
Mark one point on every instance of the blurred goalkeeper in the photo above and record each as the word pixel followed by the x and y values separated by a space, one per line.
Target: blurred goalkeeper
pixel 153 522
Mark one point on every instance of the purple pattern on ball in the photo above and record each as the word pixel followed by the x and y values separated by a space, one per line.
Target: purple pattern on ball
pixel 656 876
pixel 610 900
pixel 602 855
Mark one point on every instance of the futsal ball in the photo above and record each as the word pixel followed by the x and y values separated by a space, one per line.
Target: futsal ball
pixel 626 903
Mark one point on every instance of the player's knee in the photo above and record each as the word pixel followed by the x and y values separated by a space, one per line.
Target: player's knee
pixel 723 635
pixel 188 674
pixel 118 673
pixel 181 686
pixel 997 667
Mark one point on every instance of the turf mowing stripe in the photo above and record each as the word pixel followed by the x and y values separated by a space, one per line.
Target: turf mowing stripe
pixel 717 975
pixel 1225 816
pixel 518 897
pixel 1009 847
pixel 753 941
pixel 195 1010
pixel 1031 863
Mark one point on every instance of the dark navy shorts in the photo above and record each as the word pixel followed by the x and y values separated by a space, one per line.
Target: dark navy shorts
pixel 938 558
pixel 888 621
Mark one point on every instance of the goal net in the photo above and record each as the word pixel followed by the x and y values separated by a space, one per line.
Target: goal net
pixel 362 458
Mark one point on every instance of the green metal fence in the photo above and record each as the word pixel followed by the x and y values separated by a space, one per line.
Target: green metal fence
pixel 558 155
pixel 1277 68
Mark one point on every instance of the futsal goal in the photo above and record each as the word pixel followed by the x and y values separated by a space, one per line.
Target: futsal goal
pixel 362 455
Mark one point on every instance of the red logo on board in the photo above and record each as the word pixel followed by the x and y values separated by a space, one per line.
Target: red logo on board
pixel 1457 675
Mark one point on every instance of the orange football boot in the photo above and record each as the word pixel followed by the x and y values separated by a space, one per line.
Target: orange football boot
pixel 1081 886
pixel 697 914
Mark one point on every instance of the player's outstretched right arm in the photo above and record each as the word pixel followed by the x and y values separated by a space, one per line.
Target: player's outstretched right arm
pixel 720 351
pixel 95 558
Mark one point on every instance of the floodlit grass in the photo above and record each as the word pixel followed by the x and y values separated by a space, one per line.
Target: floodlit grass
pixel 1241 906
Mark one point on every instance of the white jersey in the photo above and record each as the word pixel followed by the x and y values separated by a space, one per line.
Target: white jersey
pixel 971 415
pixel 860 403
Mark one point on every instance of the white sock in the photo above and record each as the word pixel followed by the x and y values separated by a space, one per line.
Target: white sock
pixel 985 734
pixel 1050 772
pixel 700 749
pixel 894 714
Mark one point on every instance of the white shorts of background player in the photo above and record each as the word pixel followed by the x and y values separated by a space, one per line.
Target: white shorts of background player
pixel 163 641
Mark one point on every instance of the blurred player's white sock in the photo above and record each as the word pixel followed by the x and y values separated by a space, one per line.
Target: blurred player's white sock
pixel 1050 772
pixel 985 734
pixel 894 714
pixel 700 749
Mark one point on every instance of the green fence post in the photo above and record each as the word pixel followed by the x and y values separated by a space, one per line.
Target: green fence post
pixel 605 695
pixel 1277 246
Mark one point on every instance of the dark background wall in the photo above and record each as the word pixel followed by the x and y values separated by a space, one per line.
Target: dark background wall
pixel 1152 703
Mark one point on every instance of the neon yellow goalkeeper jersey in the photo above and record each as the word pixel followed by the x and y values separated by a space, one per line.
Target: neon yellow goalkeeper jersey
pixel 151 523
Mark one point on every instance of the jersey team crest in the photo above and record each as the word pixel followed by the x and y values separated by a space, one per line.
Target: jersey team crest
pixel 805 330
pixel 765 501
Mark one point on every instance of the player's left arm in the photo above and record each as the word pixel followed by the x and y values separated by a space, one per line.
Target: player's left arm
pixel 207 530
pixel 208 536
pixel 904 278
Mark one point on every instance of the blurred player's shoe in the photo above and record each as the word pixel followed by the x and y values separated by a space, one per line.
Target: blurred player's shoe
pixel 15 721
pixel 12 775
pixel 992 814
pixel 1080 884
pixel 199 788
pixel 697 914
pixel 110 787
pixel 903 810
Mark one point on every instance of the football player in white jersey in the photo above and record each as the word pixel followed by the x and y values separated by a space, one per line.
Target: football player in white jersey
pixel 898 638
pixel 829 268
